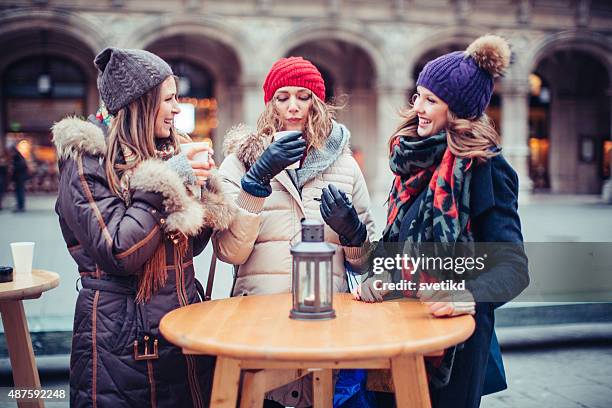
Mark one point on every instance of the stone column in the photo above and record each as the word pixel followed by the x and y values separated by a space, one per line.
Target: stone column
pixel 524 12
pixel 391 99
pixel 223 96
pixel 399 7
pixel 515 132
pixel 252 97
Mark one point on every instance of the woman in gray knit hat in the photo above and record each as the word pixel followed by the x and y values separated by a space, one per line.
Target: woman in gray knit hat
pixel 133 228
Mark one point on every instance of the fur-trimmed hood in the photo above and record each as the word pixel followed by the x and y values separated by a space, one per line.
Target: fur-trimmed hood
pixel 73 136
pixel 186 214
pixel 247 145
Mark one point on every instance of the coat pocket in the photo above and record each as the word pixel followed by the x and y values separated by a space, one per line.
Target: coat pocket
pixel 126 333
pixel 82 312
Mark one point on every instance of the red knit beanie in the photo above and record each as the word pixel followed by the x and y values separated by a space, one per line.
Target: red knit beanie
pixel 293 71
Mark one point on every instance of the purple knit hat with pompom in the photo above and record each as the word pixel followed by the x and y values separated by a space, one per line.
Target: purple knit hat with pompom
pixel 464 79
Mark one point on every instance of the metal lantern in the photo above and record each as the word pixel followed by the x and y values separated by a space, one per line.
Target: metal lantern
pixel 312 276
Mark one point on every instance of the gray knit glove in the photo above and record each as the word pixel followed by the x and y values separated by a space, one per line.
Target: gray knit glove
pixel 181 166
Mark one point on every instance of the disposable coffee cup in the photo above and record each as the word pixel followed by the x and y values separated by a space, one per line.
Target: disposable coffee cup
pixel 285 133
pixel 199 157
pixel 23 253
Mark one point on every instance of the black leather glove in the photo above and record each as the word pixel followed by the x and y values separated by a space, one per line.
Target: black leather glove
pixel 338 212
pixel 274 159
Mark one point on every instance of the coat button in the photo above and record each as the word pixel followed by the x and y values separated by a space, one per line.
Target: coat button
pixel 162 221
pixel 295 394
pixel 153 211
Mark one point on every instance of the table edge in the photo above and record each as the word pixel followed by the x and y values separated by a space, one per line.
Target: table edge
pixel 351 354
pixel 33 292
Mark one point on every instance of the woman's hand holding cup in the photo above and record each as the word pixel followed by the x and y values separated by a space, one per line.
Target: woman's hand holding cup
pixel 288 133
pixel 200 159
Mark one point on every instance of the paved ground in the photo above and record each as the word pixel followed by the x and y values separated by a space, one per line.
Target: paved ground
pixel 564 377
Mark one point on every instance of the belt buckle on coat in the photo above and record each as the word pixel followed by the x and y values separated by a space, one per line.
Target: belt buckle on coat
pixel 146 355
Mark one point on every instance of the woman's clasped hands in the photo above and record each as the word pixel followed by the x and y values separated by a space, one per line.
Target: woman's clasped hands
pixel 440 303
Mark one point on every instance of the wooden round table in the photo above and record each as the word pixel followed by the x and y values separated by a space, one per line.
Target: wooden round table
pixel 255 333
pixel 12 294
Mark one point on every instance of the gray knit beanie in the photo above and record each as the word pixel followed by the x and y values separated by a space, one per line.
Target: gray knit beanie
pixel 125 75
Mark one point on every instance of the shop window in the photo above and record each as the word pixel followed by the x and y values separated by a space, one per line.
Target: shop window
pixel 44 77
pixel 539 104
pixel 607 159
pixel 39 91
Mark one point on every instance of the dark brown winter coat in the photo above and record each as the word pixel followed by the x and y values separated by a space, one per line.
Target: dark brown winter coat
pixel 110 243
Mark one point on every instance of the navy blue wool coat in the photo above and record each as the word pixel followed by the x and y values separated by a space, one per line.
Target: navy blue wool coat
pixel 494 218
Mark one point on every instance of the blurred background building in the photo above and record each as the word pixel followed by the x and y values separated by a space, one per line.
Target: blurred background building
pixel 552 108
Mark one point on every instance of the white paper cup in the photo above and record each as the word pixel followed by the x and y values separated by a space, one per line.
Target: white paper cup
pixel 285 133
pixel 199 157
pixel 23 253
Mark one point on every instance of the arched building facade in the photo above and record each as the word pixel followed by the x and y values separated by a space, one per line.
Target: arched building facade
pixel 552 107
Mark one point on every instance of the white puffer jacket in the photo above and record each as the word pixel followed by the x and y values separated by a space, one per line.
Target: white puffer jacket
pixel 260 237
pixel 260 241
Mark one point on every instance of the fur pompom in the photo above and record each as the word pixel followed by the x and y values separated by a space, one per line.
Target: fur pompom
pixel 491 53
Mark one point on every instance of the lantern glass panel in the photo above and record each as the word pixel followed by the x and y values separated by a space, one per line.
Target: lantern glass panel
pixel 306 283
pixel 326 279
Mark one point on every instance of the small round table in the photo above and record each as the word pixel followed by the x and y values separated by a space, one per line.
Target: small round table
pixel 12 294
pixel 256 333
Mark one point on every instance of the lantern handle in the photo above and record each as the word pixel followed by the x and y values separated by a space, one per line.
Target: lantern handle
pixel 293 237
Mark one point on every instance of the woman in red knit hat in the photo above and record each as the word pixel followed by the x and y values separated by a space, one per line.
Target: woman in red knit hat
pixel 274 197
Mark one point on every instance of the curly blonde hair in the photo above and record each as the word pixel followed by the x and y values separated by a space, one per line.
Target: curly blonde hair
pixel 318 125
pixel 468 138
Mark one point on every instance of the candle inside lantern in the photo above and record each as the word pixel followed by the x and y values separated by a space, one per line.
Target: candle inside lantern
pixel 309 300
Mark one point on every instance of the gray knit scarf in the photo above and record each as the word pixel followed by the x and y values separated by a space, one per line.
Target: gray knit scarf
pixel 318 160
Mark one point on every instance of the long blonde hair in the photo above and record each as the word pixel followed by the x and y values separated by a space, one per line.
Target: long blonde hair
pixel 318 125
pixel 134 126
pixel 467 138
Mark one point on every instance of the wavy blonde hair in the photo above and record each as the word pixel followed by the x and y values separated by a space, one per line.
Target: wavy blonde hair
pixel 134 126
pixel 318 125
pixel 467 138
